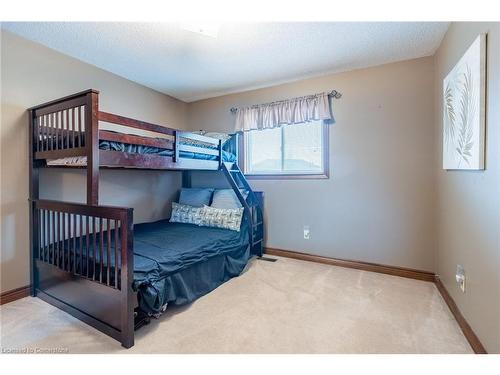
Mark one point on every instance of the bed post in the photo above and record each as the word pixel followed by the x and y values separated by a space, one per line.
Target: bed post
pixel 127 277
pixel 186 179
pixel 219 148
pixel 34 173
pixel 92 146
pixel 175 157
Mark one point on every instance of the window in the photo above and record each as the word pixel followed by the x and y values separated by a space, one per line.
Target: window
pixel 292 150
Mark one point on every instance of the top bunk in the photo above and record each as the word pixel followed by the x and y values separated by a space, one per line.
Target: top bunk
pixel 71 132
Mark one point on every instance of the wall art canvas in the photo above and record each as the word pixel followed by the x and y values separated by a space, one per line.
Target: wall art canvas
pixel 464 96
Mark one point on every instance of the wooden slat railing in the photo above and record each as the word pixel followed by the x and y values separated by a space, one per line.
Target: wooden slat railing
pixel 86 241
pixel 65 128
pixel 60 133
pixel 174 143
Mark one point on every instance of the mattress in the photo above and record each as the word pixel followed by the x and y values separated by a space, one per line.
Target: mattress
pixel 175 264
pixel 138 149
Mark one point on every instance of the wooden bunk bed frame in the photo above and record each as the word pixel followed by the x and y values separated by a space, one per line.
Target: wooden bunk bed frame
pixel 65 238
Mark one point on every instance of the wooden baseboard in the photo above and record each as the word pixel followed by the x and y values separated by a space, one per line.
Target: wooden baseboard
pixel 395 271
pixel 464 326
pixel 365 266
pixel 14 294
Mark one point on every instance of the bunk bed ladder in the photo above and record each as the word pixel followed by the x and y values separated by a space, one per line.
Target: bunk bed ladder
pixel 251 204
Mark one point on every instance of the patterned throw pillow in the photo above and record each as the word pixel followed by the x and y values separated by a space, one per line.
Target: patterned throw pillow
pixel 222 136
pixel 196 143
pixel 221 218
pixel 183 213
pixel 216 135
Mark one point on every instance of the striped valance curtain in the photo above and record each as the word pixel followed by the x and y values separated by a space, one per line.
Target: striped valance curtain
pixel 285 112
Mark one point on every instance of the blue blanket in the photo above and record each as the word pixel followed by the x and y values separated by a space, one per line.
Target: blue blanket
pixel 139 149
pixel 177 263
pixel 173 263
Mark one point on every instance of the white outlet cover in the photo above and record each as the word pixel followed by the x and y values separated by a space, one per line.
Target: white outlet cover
pixel 307 232
pixel 460 277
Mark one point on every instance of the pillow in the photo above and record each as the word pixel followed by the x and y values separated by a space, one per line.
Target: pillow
pixel 226 198
pixel 221 136
pixel 183 213
pixel 221 218
pixel 193 142
pixel 196 197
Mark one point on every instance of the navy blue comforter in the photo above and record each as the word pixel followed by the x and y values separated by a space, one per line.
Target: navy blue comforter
pixel 139 149
pixel 177 263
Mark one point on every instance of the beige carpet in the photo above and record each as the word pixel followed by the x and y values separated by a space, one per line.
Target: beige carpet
pixel 288 306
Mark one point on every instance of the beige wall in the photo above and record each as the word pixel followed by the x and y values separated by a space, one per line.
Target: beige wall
pixel 468 210
pixel 33 74
pixel 378 205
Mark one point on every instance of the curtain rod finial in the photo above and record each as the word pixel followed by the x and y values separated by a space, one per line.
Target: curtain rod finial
pixel 336 94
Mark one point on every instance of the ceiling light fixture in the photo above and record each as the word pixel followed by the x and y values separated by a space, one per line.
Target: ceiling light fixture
pixel 210 29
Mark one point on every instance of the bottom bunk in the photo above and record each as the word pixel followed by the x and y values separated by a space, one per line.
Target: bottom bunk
pixel 175 263
pixel 94 263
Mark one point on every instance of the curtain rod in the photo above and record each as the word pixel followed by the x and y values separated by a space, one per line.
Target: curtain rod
pixel 334 94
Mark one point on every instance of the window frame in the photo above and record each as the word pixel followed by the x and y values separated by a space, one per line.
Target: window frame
pixel 325 174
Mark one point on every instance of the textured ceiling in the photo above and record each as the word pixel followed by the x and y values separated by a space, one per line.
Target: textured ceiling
pixel 190 66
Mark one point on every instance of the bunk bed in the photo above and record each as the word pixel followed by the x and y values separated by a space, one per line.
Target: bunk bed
pixel 91 260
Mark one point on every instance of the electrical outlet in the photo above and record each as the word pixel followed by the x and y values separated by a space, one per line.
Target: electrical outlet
pixel 307 232
pixel 460 277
